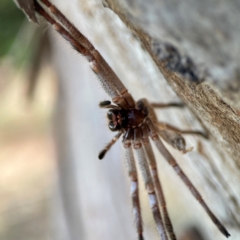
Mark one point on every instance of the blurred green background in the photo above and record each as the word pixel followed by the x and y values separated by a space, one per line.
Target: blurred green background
pixel 11 20
pixel 26 146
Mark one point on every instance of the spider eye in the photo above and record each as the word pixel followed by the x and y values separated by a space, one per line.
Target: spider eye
pixel 113 127
pixel 111 113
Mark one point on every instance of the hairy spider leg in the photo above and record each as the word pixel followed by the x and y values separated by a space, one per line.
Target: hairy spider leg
pixel 109 80
pixel 81 38
pixel 107 86
pixel 151 192
pixel 170 159
pixel 144 167
pixel 68 25
pixel 109 145
pixel 132 172
pixel 134 137
pixel 154 172
pixel 163 125
pixel 172 138
pixel 166 105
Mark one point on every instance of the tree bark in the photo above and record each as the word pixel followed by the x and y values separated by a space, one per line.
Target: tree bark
pixel 202 42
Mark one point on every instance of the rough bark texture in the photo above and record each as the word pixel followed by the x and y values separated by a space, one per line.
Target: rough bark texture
pixel 208 31
pixel 221 118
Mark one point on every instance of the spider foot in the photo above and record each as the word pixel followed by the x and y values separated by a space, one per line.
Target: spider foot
pixel 187 150
pixel 140 237
pixel 102 154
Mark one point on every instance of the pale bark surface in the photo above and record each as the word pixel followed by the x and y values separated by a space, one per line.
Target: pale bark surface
pixel 207 31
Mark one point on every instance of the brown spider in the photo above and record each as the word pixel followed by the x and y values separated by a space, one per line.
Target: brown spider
pixel 137 123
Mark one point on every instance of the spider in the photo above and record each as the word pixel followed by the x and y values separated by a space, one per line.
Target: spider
pixel 137 123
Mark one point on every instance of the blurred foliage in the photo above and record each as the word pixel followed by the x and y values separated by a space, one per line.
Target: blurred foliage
pixel 19 39
pixel 11 19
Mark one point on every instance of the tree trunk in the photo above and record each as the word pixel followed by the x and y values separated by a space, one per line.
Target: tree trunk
pixel 195 45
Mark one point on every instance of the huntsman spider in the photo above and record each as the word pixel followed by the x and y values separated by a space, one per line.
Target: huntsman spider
pixel 137 123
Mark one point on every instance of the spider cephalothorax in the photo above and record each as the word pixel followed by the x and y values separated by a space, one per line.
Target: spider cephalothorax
pixel 123 119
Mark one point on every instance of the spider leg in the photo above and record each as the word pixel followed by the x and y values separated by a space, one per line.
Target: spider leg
pixel 170 159
pixel 67 24
pixel 154 172
pixel 109 145
pixel 132 172
pixel 174 139
pixel 171 137
pixel 162 125
pixel 84 42
pixel 109 87
pixel 109 80
pixel 166 105
pixel 137 145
